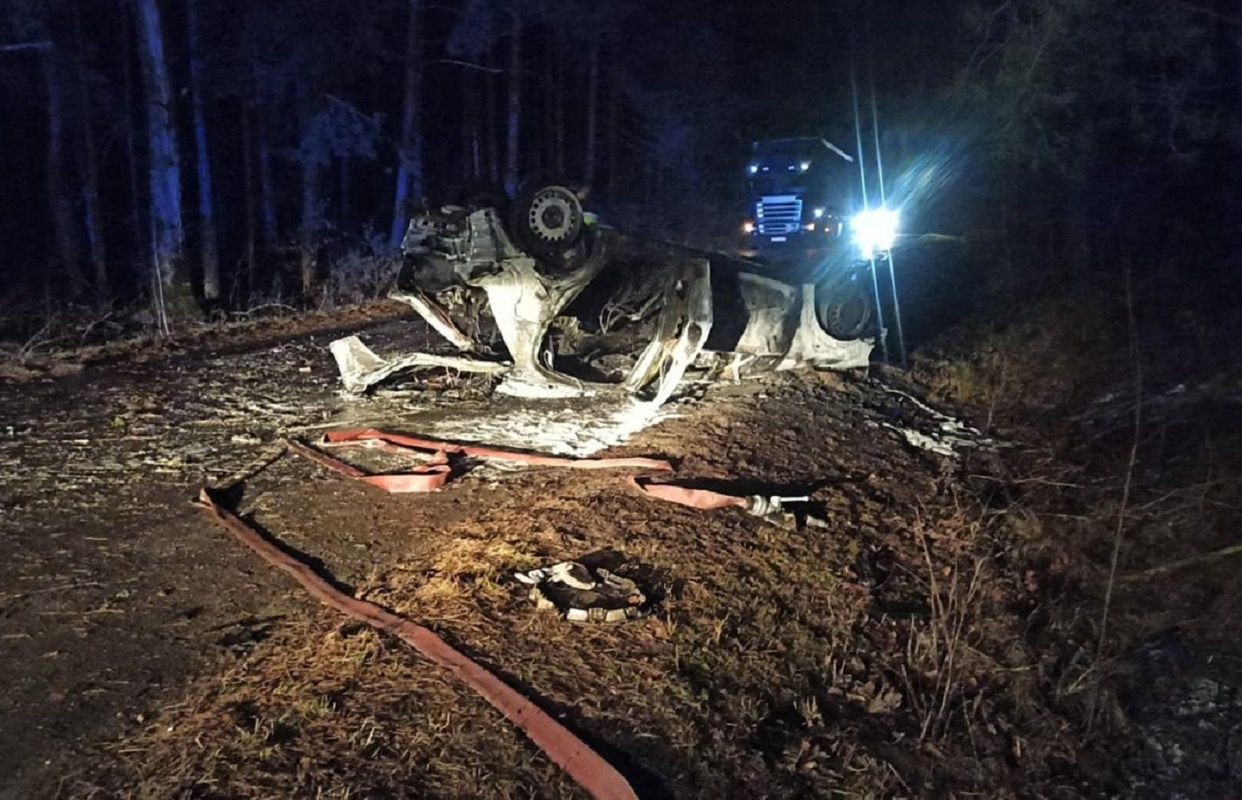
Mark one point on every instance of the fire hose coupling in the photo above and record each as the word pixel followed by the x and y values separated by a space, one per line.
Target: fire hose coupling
pixel 762 506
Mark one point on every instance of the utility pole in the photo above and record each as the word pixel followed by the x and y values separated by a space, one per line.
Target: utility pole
pixel 879 169
pixel 862 176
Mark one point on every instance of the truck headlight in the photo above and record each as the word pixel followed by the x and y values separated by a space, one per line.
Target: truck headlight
pixel 752 169
pixel 804 166
pixel 748 227
pixel 874 230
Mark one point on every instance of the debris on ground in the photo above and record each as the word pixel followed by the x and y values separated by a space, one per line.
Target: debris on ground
pixel 708 500
pixel 573 755
pixel 582 594
pixel 931 430
pixel 360 368
pixel 901 639
pixel 774 660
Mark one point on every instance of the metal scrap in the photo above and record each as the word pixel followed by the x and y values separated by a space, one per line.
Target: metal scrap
pixel 361 368
pixel 454 252
pixel 582 594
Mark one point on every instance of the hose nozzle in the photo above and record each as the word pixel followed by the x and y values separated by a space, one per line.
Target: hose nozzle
pixel 762 506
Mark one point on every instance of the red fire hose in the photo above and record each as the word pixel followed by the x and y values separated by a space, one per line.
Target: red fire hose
pixel 573 755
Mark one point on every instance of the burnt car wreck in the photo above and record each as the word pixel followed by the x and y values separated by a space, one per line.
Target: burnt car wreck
pixel 583 309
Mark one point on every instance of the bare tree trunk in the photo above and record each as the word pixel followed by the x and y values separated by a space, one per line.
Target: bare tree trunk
pixel 475 153
pixel 267 205
pixel 345 175
pixel 1228 47
pixel 312 212
pixel 90 174
pixel 471 110
pixel 309 235
pixel 514 114
pixel 649 181
pixel 174 298
pixel 410 166
pixel 468 104
pixel 91 208
pixel 592 113
pixel 68 253
pixel 206 212
pixel 547 137
pixel 493 145
pixel 252 228
pixel 138 217
pixel 614 102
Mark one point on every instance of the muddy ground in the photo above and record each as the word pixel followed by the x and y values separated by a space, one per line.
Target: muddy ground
pixel 920 644
pixel 112 592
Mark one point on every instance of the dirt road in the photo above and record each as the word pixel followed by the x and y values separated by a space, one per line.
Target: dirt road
pixel 113 590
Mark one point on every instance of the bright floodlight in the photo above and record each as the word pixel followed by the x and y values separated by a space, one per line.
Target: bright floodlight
pixel 874 230
pixel 804 166
pixel 754 168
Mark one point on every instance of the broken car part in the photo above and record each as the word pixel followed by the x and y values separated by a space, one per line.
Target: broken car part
pixel 360 368
pixel 654 304
pixel 436 316
pixel 581 594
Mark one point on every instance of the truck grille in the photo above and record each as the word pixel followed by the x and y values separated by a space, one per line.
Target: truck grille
pixel 778 214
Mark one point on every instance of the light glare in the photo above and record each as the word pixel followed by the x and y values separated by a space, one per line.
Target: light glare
pixel 875 230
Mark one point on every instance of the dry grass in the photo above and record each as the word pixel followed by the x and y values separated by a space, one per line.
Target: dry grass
pixel 1126 534
pixel 881 658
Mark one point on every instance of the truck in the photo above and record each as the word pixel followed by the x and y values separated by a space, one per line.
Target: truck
pixel 801 225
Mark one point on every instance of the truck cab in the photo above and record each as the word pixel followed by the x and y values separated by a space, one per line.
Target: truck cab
pixel 798 197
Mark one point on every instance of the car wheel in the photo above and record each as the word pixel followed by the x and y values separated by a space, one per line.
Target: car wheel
pixel 844 311
pixel 548 220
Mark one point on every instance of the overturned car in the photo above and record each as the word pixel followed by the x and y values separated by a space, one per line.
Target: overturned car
pixel 582 308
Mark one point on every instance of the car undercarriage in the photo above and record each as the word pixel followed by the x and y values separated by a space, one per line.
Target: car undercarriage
pixel 581 308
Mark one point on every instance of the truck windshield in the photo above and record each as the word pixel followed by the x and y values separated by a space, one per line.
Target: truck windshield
pixel 808 168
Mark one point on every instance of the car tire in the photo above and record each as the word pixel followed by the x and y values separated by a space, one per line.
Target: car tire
pixel 547 220
pixel 844 311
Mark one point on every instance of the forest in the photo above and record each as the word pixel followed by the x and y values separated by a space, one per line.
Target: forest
pixel 225 154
